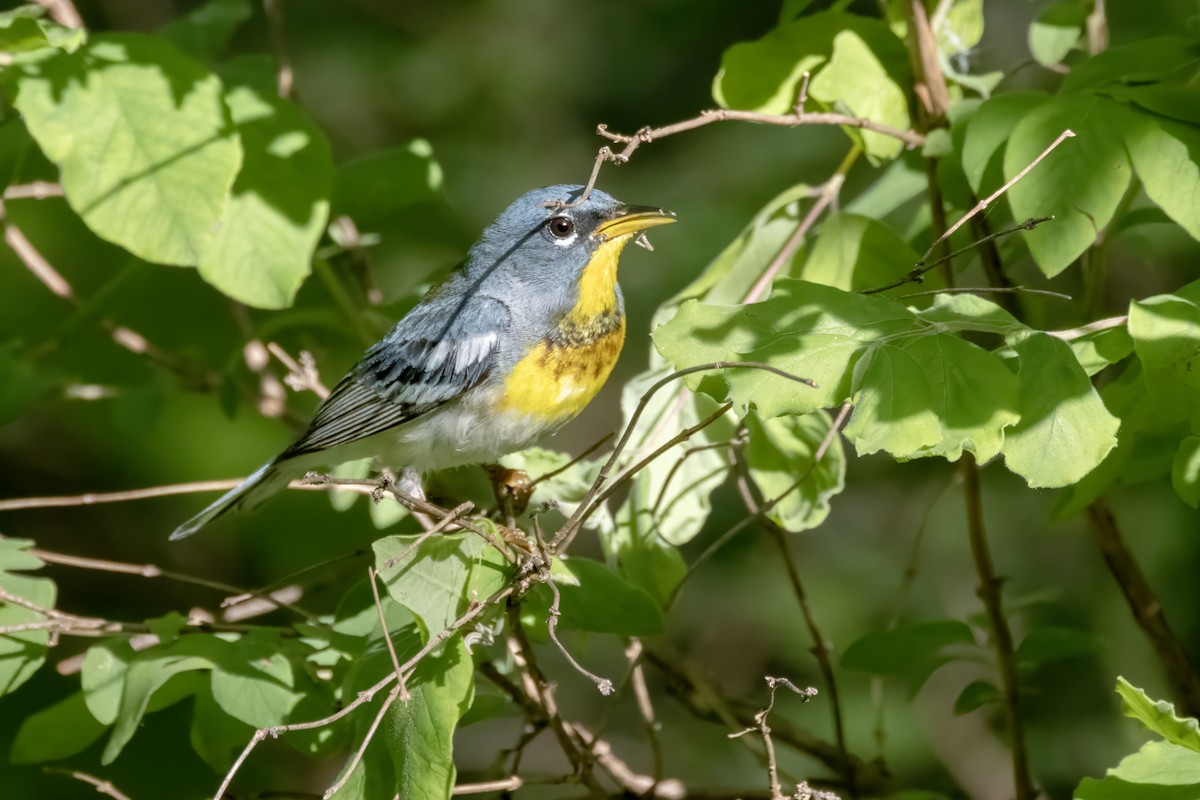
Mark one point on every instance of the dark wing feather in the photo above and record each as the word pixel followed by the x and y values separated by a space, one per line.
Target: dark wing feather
pixel 432 356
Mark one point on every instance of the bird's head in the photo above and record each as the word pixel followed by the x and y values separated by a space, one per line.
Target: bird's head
pixel 550 248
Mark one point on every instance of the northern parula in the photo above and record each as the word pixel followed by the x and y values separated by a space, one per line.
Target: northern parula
pixel 506 349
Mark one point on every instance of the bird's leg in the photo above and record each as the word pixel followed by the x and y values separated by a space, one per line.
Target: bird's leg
pixel 512 489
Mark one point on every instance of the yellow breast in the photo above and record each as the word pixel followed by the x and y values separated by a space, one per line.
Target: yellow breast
pixel 559 377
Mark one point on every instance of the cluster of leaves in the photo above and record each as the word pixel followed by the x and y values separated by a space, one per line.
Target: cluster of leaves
pixel 190 165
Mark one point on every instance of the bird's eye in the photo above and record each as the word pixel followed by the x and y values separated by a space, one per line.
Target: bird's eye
pixel 562 227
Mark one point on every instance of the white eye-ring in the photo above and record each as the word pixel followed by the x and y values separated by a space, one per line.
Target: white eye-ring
pixel 563 231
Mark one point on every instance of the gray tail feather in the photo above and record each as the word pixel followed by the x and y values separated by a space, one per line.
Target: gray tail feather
pixel 248 494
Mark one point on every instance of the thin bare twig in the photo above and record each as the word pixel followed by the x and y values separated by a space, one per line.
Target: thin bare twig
pixel 799 116
pixel 474 609
pixel 603 684
pixel 585 507
pixel 918 272
pixel 101 785
pixel 988 290
pixel 764 730
pixel 302 375
pixel 284 77
pixel 556 472
pixel 509 784
pixel 1092 327
pixel 989 593
pixel 387 636
pixel 352 765
pixel 641 692
pixel 34 190
pixel 987 201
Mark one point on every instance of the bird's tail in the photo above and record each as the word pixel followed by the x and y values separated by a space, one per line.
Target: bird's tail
pixel 248 494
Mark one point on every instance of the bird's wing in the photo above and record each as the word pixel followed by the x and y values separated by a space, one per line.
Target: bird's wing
pixel 433 355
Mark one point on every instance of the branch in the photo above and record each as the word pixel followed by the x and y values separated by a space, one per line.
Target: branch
pixel 102 786
pixel 603 684
pixel 989 593
pixel 1145 607
pixel 764 729
pixel 798 117
pixel 585 507
pixel 474 609
pixel 918 272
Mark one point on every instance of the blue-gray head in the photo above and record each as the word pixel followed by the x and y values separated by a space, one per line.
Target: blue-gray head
pixel 542 240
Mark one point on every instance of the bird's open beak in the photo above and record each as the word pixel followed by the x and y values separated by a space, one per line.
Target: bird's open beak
pixel 632 219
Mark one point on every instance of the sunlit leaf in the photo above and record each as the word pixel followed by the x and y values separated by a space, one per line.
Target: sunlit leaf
pixel 143 139
pixel 1159 716
pixel 22 652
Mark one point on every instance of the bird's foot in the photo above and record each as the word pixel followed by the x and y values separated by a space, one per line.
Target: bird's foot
pixel 511 487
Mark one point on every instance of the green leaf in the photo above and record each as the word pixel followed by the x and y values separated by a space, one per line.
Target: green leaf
pixel 262 250
pixel 1166 337
pixel 373 188
pixel 205 32
pixel 765 75
pixel 1185 471
pixel 216 736
pixel 987 134
pixel 147 673
pixel 103 678
pixel 1065 430
pixel 1158 716
pixel 420 733
pixel 1095 351
pixel 1049 643
pixel 900 649
pixel 20 31
pixel 857 83
pixel 893 406
pixel 1056 31
pixel 1117 789
pixel 974 695
pixel 1080 184
pixel 437 578
pixel 22 652
pixel 59 731
pixel 1165 155
pixel 1143 61
pixel 1161 764
pixel 604 603
pixel 962 28
pixel 854 252
pixel 780 453
pixel 253 681
pixel 143 140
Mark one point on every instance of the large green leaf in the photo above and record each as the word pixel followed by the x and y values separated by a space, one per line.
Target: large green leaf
pixel 1056 31
pixel 253 681
pixel 1166 337
pixel 23 652
pixel 855 252
pixel 1161 764
pixel 1159 716
pixel 377 186
pixel 918 389
pixel 149 671
pixel 143 139
pixel 765 75
pixel 436 579
pixel 59 731
pixel 987 134
pixel 600 601
pixel 204 32
pixel 1065 430
pixel 1165 155
pixel 1140 62
pixel 780 454
pixel 216 736
pixel 856 82
pixel 1080 184
pixel 262 248
pixel 420 732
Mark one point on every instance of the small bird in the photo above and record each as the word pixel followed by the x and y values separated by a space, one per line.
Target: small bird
pixel 505 350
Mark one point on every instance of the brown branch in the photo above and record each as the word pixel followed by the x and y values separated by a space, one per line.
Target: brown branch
pixel 284 77
pixel 509 784
pixel 474 609
pixel 63 12
pixel 603 684
pixel 34 190
pixel 918 272
pixel 990 594
pixel 102 786
pixel 1145 607
pixel 797 118
pixel 641 692
pixel 387 637
pixel 585 507
pixel 764 730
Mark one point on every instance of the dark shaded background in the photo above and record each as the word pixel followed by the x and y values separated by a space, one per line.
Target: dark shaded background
pixel 508 92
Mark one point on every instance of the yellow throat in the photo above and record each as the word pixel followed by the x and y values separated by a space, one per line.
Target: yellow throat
pixel 564 371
